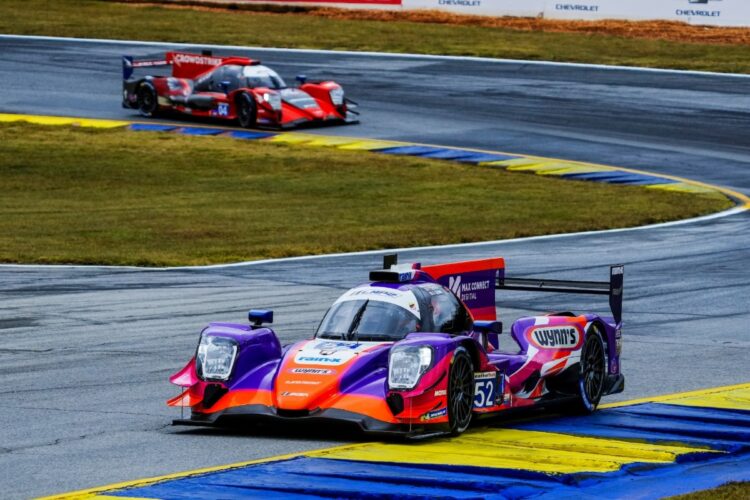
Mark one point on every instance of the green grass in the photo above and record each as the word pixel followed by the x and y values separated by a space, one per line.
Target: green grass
pixel 99 19
pixel 729 491
pixel 71 195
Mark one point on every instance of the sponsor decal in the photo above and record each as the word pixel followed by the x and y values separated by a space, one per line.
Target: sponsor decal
pixel 146 64
pixel 438 394
pixel 331 352
pixel 295 394
pixel 302 382
pixel 461 3
pixel 468 291
pixel 577 7
pixel 484 375
pixel 555 337
pixel 180 58
pixel 328 348
pixel 699 12
pixel 377 292
pixel 312 371
pixel 614 367
pixel 323 360
pixel 434 414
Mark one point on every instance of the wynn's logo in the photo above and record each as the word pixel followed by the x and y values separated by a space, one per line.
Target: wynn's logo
pixel 555 337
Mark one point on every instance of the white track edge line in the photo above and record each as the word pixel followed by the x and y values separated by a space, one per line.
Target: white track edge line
pixel 704 218
pixel 379 54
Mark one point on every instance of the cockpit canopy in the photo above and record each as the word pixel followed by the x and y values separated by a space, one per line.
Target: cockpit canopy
pixel 389 313
pixel 262 76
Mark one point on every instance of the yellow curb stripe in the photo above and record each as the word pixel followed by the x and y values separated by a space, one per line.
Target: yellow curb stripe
pixel 737 399
pixel 547 452
pixel 370 144
pixel 681 395
pixel 62 120
pixel 682 187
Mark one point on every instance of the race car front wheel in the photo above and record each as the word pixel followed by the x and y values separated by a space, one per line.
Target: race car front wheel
pixel 247 113
pixel 593 372
pixel 148 103
pixel 460 391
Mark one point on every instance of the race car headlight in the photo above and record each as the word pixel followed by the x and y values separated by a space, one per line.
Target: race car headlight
pixel 407 364
pixel 274 100
pixel 215 357
pixel 337 96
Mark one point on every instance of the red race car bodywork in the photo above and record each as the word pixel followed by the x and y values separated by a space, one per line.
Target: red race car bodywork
pixel 231 88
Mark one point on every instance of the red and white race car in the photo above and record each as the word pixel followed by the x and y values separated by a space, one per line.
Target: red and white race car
pixel 231 88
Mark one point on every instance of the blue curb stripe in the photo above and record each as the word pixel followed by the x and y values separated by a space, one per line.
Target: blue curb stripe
pixel 148 127
pixel 460 155
pixel 198 131
pixel 241 134
pixel 614 177
pixel 411 150
pixel 485 158
pixel 305 477
pixel 727 431
pixel 720 429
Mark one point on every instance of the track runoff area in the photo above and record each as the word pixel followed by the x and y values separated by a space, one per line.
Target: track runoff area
pixel 641 449
pixel 646 448
pixel 564 169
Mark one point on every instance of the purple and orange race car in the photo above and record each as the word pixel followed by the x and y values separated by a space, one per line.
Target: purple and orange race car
pixel 414 352
pixel 231 88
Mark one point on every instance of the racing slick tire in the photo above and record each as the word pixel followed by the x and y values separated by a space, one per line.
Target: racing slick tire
pixel 247 113
pixel 460 392
pixel 147 100
pixel 592 375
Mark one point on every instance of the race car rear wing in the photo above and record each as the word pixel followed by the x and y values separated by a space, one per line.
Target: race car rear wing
pixel 472 281
pixel 613 288
pixel 130 64
pixel 184 64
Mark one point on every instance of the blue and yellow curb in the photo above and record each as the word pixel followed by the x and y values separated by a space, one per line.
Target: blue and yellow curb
pixel 647 448
pixel 553 167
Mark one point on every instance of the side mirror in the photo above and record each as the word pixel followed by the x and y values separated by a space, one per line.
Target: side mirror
pixel 259 316
pixel 301 79
pixel 225 86
pixel 491 331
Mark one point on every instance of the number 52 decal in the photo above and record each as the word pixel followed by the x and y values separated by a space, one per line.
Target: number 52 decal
pixel 487 387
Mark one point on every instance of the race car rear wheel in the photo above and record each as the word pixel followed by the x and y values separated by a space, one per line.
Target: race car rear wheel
pixel 148 103
pixel 593 373
pixel 460 392
pixel 247 113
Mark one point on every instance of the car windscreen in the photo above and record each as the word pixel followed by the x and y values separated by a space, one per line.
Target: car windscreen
pixel 261 76
pixel 367 320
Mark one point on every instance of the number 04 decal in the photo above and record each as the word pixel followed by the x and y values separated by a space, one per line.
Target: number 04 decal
pixel 485 389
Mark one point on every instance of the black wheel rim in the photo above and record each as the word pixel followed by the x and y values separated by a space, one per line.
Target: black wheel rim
pixel 244 111
pixel 462 396
pixel 593 370
pixel 147 101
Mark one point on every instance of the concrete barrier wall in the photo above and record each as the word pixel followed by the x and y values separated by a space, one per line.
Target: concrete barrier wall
pixel 701 12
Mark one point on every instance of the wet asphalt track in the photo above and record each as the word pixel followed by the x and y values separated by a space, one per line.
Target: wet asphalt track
pixel 85 352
